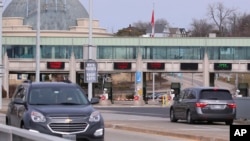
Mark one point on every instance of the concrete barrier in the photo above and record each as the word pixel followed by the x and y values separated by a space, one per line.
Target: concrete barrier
pixel 242 108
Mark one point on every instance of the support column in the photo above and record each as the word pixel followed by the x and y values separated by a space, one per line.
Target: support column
pixel 206 70
pixel 6 74
pixel 72 65
pixel 138 97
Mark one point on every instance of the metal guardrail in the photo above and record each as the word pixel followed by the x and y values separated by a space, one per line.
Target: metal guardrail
pixel 9 133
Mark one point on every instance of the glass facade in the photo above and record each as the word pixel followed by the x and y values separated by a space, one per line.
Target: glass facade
pixel 131 52
pixel 229 53
pixel 119 52
pixel 47 52
pixel 173 53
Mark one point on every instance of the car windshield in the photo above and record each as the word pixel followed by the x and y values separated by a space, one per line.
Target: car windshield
pixel 215 95
pixel 57 95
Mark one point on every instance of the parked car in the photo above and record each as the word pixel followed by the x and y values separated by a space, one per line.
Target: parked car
pixel 55 108
pixel 209 104
pixel 156 96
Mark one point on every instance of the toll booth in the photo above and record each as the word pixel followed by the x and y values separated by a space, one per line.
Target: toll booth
pixel 176 86
pixel 243 87
pixel 108 86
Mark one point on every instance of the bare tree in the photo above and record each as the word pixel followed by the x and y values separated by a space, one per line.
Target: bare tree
pixel 219 14
pixel 130 31
pixel 239 25
pixel 200 28
pixel 162 22
pixel 144 25
pixel 141 25
pixel 232 24
pixel 243 26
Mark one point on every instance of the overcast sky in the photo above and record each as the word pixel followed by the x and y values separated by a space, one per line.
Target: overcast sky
pixel 117 14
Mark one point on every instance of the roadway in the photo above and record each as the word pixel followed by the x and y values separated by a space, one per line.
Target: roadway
pixel 153 119
pixel 196 79
pixel 148 122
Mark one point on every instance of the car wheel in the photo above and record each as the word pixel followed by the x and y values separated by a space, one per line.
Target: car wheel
pixel 189 118
pixel 229 122
pixel 172 116
pixel 22 125
pixel 209 122
pixel 7 121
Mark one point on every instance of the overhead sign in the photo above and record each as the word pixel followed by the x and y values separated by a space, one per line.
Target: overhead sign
pixel 189 66
pixel 122 65
pixel 90 75
pixel 248 66
pixel 55 65
pixel 222 66
pixel 156 66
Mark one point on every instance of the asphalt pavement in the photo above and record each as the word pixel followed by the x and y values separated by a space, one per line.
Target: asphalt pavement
pixel 151 126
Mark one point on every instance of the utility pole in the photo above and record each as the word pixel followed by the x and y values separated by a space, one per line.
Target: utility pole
pixel 90 46
pixel 38 43
pixel 1 63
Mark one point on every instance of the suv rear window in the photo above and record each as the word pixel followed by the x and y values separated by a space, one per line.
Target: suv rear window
pixel 215 95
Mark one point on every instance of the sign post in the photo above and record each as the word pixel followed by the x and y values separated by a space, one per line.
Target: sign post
pixel 90 75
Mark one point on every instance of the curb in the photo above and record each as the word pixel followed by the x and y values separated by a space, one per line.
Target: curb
pixel 163 133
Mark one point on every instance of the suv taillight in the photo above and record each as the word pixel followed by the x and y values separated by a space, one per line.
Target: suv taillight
pixel 200 104
pixel 231 105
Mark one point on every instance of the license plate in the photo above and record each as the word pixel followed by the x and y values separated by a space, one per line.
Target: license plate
pixel 217 107
pixel 69 137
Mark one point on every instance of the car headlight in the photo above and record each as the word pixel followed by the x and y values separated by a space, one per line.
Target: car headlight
pixel 95 116
pixel 37 117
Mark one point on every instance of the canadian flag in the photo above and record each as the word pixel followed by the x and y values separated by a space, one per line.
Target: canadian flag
pixel 153 24
pixel 153 19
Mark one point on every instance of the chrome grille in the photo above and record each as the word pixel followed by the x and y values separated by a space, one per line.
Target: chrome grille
pixel 68 127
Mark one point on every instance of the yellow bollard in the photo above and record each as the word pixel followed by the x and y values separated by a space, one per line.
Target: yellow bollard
pixel 164 100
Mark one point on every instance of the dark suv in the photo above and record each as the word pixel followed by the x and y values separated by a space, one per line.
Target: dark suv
pixel 55 108
pixel 209 104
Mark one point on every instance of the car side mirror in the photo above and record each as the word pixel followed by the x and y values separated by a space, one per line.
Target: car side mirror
pixel 94 100
pixel 19 101
pixel 175 98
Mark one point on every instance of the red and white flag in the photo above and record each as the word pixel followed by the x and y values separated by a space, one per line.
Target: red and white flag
pixel 153 19
pixel 153 24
